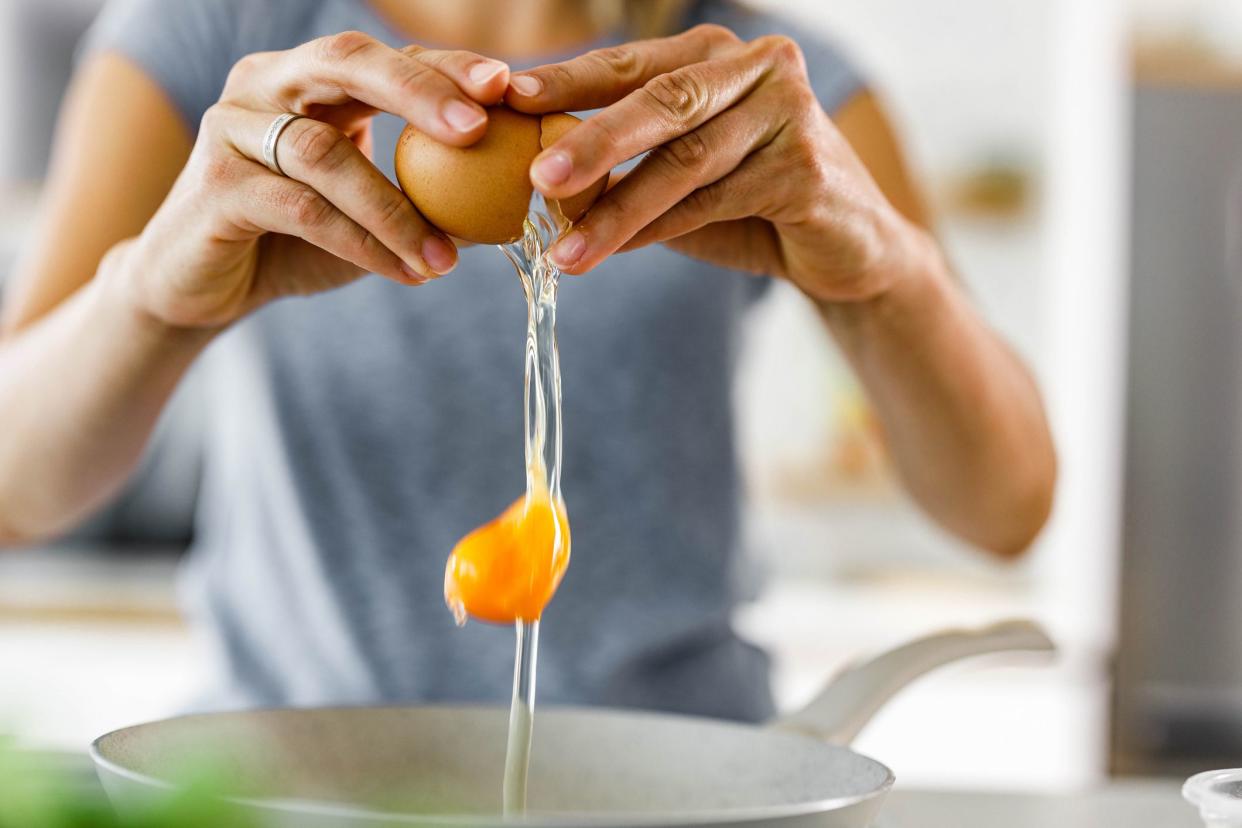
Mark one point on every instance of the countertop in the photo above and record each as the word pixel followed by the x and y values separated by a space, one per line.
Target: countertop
pixel 84 582
pixel 1131 803
pixel 1120 804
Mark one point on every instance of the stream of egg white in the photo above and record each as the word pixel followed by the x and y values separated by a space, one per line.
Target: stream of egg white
pixel 543 464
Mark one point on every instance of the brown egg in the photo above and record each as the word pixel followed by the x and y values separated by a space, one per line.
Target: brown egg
pixel 481 193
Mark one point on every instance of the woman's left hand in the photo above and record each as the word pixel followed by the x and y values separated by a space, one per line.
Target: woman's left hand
pixel 745 168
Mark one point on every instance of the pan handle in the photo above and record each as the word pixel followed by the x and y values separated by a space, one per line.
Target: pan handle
pixel 857 693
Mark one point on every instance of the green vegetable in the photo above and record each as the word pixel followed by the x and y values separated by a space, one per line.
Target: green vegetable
pixel 34 796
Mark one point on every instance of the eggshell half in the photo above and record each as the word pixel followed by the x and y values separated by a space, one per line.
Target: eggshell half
pixel 481 193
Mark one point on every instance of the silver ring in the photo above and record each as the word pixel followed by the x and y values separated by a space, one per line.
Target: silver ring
pixel 272 137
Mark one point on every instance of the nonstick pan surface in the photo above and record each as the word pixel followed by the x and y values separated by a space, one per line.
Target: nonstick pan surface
pixel 443 766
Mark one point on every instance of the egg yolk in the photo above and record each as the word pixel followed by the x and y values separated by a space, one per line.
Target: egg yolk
pixel 507 570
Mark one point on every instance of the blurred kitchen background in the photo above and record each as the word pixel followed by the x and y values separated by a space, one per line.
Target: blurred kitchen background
pixel 1083 157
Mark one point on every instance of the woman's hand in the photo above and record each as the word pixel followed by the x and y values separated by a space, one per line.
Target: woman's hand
pixel 233 235
pixel 746 170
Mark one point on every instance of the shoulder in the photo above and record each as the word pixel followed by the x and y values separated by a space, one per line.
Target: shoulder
pixel 832 74
pixel 188 46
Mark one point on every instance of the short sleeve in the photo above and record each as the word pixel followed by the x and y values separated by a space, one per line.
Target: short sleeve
pixel 186 46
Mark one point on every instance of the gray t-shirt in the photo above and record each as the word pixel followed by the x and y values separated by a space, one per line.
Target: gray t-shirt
pixel 354 436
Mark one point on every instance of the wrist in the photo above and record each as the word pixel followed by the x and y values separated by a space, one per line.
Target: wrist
pixel 875 253
pixel 911 277
pixel 119 286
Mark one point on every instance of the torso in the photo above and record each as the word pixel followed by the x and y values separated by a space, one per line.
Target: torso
pixel 355 435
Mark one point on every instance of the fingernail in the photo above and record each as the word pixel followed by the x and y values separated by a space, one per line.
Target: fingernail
pixel 552 168
pixel 462 116
pixel 567 251
pixel 412 274
pixel 439 254
pixel 527 85
pixel 485 70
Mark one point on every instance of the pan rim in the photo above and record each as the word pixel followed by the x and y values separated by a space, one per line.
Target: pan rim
pixel 616 819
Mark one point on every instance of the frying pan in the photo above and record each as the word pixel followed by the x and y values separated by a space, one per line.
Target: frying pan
pixel 441 767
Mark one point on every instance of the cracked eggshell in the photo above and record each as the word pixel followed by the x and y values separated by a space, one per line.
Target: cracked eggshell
pixel 481 193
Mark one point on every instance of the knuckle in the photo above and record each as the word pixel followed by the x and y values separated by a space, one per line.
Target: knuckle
pixel 591 134
pixel 714 34
pixel 218 171
pixel 686 152
pixel 805 98
pixel 343 45
pixel 676 96
pixel 784 51
pixel 806 162
pixel 798 100
pixel 620 212
pixel 802 149
pixel 319 146
pixel 555 76
pixel 414 79
pixel 304 206
pixel 435 58
pixel 366 246
pixel 243 70
pixel 395 212
pixel 702 201
pixel 213 120
pixel 777 45
pixel 622 63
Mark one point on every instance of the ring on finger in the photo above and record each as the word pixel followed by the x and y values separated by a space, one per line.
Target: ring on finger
pixel 272 138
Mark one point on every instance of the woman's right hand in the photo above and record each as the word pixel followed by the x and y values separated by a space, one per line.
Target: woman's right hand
pixel 232 235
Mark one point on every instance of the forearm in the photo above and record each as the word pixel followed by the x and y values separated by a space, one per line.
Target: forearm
pixel 80 392
pixel 963 418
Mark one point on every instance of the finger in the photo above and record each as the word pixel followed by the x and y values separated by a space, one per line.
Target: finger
pixel 353 66
pixel 666 107
pixel 329 162
pixel 483 79
pixel 665 177
pixel 723 201
pixel 748 244
pixel 259 201
pixel 747 191
pixel 364 139
pixel 604 76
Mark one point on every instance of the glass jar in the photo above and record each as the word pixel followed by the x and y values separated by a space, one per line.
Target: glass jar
pixel 1218 796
